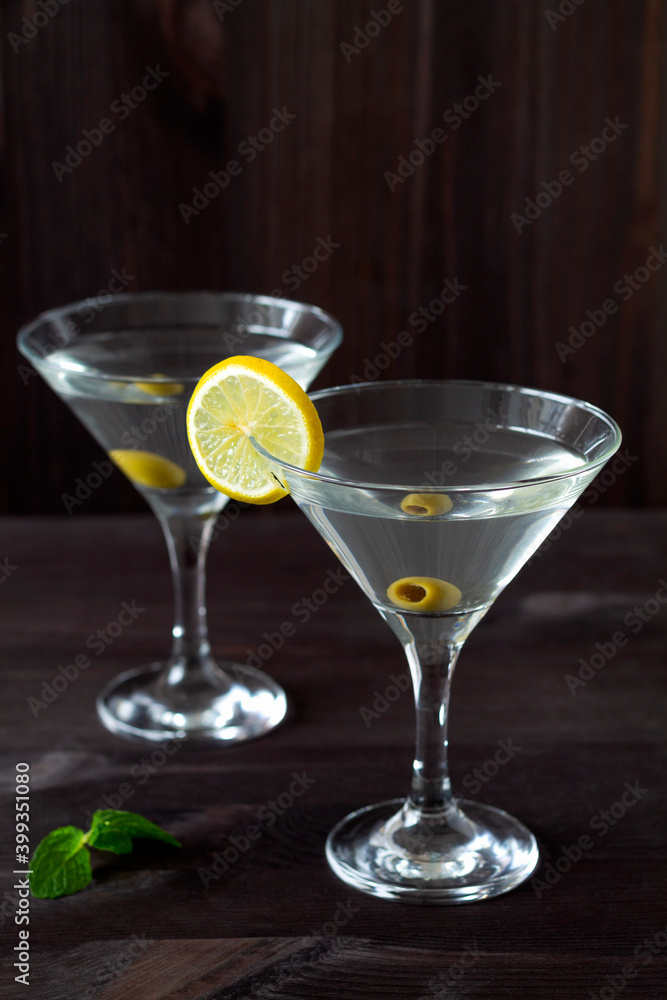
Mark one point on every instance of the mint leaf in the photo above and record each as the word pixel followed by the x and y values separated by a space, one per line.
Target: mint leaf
pixel 113 829
pixel 60 864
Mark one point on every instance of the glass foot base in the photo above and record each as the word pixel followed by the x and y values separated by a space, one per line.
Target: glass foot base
pixel 223 703
pixel 392 851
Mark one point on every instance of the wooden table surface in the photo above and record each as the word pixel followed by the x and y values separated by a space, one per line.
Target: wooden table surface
pixel 277 923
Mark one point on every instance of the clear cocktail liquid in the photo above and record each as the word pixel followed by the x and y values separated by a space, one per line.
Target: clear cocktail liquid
pixel 104 377
pixel 479 544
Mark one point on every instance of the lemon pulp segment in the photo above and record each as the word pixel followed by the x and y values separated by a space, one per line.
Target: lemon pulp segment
pixel 244 398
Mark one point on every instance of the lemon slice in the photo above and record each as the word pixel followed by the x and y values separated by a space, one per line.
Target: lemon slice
pixel 423 593
pixel 244 397
pixel 160 388
pixel 144 468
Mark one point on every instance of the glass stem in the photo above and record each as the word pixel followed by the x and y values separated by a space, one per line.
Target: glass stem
pixel 432 664
pixel 188 537
pixel 432 646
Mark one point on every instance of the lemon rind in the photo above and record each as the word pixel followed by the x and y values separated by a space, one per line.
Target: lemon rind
pixel 290 397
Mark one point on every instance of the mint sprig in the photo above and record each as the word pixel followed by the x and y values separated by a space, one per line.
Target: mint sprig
pixel 61 862
pixel 113 829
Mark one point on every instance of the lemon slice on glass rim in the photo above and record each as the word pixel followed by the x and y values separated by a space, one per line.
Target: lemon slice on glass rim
pixel 242 398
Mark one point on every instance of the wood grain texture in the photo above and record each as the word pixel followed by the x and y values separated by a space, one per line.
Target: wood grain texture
pixel 356 114
pixel 164 925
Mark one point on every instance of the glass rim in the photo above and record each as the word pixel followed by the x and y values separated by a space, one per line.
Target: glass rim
pixel 60 313
pixel 588 466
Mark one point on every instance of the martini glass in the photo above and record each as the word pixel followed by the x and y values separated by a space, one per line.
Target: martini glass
pixel 127 368
pixel 433 495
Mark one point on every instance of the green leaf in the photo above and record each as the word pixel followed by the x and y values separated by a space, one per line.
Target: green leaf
pixel 113 829
pixel 60 864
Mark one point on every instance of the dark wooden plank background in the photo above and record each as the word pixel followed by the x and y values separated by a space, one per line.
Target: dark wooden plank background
pixel 356 114
pixel 148 929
